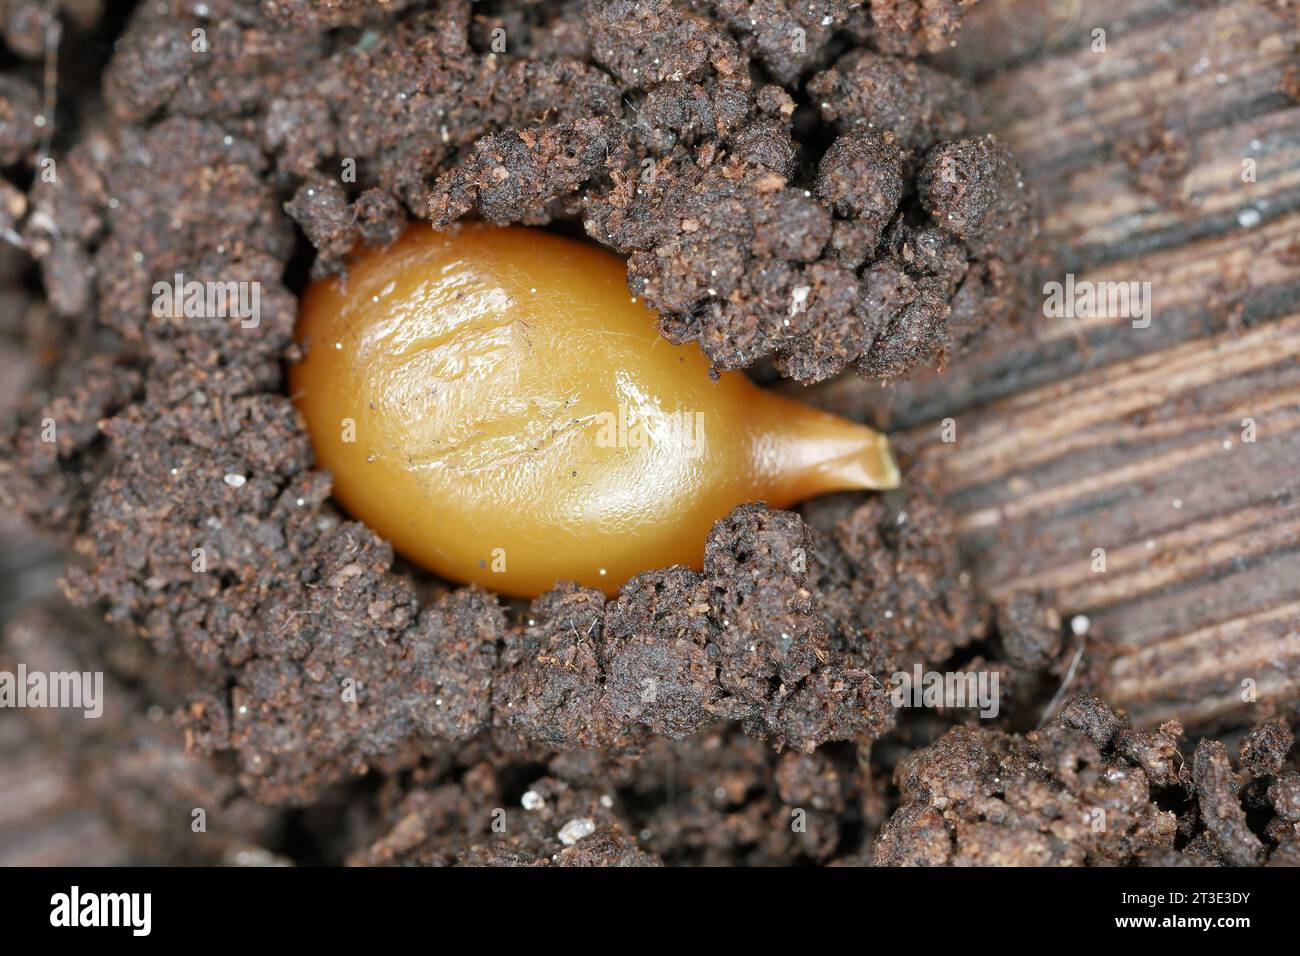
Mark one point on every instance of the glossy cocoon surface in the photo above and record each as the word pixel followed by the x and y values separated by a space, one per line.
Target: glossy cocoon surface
pixel 494 403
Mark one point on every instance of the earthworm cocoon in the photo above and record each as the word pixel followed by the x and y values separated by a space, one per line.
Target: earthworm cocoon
pixel 494 403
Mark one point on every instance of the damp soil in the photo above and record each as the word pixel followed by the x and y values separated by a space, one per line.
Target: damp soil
pixel 800 210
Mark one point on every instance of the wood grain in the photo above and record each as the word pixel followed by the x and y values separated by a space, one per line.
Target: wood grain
pixel 1082 434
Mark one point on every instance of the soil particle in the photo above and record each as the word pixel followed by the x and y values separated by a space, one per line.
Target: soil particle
pixel 1284 794
pixel 1156 752
pixel 322 210
pixel 731 798
pixel 1264 749
pixel 1087 789
pixel 892 586
pixel 472 824
pixel 1092 717
pixel 787 37
pixel 860 178
pixel 1217 790
pixel 642 44
pixel 516 176
pixel 379 217
pixel 973 189
pixel 919 105
pixel 1029 630
pixel 915 26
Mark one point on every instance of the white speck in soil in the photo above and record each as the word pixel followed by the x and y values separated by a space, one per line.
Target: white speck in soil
pixel 576 829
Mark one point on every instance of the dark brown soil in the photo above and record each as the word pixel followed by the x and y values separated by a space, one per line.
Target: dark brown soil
pixel 735 715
